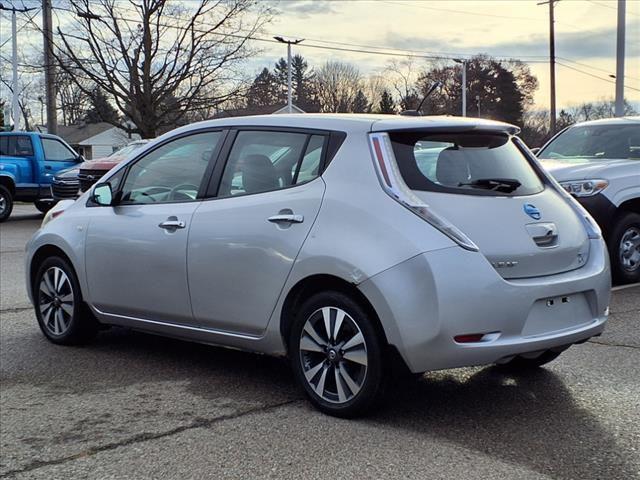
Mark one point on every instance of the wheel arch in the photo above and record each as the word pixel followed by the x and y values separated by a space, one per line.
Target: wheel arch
pixel 631 205
pixel 40 255
pixel 9 183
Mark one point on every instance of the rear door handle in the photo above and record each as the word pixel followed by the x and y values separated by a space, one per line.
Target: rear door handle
pixel 172 223
pixel 286 218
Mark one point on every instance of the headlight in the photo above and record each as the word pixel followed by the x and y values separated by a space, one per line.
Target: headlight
pixel 56 211
pixel 585 188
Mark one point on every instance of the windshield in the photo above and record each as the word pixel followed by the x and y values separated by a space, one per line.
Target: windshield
pixel 465 163
pixel 127 150
pixel 594 143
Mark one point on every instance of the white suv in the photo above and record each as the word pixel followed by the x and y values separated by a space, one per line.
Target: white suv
pixel 598 162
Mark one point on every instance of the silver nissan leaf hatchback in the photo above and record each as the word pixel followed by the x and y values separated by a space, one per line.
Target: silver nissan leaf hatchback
pixel 342 241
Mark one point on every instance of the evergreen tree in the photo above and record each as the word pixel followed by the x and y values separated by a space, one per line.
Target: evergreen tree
pixel 264 90
pixel 387 105
pixel 361 103
pixel 303 92
pixel 101 110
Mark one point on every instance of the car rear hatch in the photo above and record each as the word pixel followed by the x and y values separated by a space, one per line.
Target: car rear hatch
pixel 480 181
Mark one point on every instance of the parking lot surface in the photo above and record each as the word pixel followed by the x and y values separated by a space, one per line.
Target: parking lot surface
pixel 132 405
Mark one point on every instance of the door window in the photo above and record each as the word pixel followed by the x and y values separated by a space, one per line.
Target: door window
pixel 262 161
pixel 16 146
pixel 56 151
pixel 172 172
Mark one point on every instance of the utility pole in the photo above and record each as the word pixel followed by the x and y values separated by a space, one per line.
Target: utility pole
pixel 552 64
pixel 49 68
pixel 619 112
pixel 463 62
pixel 289 42
pixel 15 104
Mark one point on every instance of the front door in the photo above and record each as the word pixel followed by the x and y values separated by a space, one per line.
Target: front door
pixel 136 250
pixel 243 243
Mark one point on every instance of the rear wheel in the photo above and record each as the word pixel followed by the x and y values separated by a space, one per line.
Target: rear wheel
pixel 61 313
pixel 337 355
pixel 624 248
pixel 6 203
pixel 43 206
pixel 524 362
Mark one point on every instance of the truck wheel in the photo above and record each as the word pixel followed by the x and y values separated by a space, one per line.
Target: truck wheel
pixel 624 248
pixel 6 203
pixel 44 207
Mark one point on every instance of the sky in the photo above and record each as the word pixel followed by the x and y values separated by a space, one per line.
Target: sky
pixel 585 37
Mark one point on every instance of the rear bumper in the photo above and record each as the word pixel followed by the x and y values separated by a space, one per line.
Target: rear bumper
pixel 424 302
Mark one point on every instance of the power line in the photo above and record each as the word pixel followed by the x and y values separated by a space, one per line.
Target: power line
pixel 604 70
pixel 595 76
pixel 610 7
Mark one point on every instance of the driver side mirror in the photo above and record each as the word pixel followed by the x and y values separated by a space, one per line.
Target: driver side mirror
pixel 535 150
pixel 102 194
pixel 80 159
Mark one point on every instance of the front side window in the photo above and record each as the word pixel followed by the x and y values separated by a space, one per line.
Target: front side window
pixel 172 172
pixel 16 146
pixel 262 161
pixel 594 143
pixel 464 163
pixel 57 151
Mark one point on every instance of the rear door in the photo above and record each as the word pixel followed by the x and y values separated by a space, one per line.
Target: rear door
pixel 483 183
pixel 243 242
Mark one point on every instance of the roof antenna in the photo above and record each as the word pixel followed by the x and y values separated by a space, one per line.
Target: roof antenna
pixel 416 112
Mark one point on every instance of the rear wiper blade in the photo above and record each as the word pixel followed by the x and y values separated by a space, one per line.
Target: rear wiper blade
pixel 506 185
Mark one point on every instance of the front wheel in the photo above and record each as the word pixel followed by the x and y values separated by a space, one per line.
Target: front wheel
pixel 6 203
pixel 337 355
pixel 61 313
pixel 624 248
pixel 44 207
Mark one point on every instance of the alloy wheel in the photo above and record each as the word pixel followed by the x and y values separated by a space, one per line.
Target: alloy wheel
pixel 333 354
pixel 3 204
pixel 56 300
pixel 629 251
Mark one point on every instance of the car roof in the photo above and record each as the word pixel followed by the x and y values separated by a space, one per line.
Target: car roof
pixel 351 122
pixel 610 121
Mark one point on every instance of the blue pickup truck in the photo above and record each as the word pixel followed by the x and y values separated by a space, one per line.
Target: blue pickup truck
pixel 28 162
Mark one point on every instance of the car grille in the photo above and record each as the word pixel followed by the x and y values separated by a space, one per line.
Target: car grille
pixel 89 177
pixel 64 189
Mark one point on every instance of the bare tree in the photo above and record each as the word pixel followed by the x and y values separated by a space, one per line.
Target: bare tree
pixel 337 85
pixel 159 60
pixel 403 76
pixel 73 102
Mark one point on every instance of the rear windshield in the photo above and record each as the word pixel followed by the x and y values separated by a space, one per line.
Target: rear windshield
pixel 594 143
pixel 464 163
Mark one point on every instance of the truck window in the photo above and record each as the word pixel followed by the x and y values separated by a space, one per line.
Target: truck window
pixel 56 151
pixel 16 146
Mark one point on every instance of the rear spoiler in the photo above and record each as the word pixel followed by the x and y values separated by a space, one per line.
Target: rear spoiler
pixel 486 129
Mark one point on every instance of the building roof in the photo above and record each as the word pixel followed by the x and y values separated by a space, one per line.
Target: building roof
pixel 257 110
pixel 75 134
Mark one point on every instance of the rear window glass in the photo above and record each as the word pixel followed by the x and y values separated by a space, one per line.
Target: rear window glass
pixel 16 146
pixel 476 164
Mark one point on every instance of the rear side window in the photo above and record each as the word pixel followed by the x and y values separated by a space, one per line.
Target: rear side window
pixel 464 163
pixel 263 161
pixel 16 146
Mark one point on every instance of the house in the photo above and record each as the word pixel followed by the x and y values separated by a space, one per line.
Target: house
pixel 95 140
pixel 257 110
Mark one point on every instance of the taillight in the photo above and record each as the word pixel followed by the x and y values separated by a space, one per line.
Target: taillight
pixel 394 186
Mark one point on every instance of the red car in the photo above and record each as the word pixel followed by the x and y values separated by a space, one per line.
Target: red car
pixel 93 170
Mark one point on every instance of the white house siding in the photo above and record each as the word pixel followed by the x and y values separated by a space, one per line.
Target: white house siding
pixel 105 143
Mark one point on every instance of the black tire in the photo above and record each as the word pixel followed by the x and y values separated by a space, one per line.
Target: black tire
pixel 340 369
pixel 627 227
pixel 44 207
pixel 519 363
pixel 6 203
pixel 80 326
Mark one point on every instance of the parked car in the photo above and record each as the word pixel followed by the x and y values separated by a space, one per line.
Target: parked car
pixel 325 238
pixel 69 183
pixel 28 162
pixel 91 171
pixel 598 162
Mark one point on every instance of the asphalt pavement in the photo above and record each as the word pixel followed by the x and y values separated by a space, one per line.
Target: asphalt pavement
pixel 137 406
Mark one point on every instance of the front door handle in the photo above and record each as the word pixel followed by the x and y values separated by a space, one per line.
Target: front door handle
pixel 172 224
pixel 286 218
